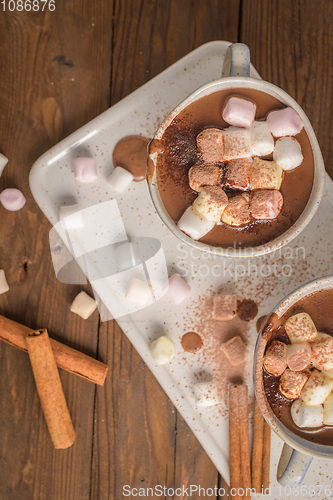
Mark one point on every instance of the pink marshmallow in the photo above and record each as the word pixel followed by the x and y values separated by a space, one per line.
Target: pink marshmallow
pixel 85 169
pixel 178 289
pixel 239 112
pixel 12 199
pixel 284 122
pixel 266 203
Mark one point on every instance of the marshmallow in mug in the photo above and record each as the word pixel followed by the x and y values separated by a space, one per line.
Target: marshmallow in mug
pixel 284 122
pixel 239 112
pixel 288 153
pixel 194 224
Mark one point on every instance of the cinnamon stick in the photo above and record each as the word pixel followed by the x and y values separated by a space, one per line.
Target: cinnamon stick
pixel 257 448
pixel 266 456
pixel 234 444
pixel 66 358
pixel 50 389
pixel 243 422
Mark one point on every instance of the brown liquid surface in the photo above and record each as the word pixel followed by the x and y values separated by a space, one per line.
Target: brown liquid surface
pixel 179 152
pixel 319 306
pixel 191 342
pixel 131 154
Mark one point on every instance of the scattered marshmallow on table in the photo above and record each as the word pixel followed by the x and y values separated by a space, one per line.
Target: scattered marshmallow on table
pixel 83 305
pixel 235 351
pixel 138 291
pixel 306 416
pixel 194 224
pixel 316 389
pixel 300 327
pixel 275 361
pixel 265 174
pixel 211 202
pixel 3 163
pixel 66 214
pixel 237 143
pixel 225 307
pixel 211 145
pixel 262 141
pixel 239 112
pixel 204 175
pixel 328 410
pixel 85 169
pixel 12 199
pixel 206 394
pixel 292 383
pixel 237 174
pixel 178 289
pixel 3 282
pixel 266 204
pixel 120 179
pixel 237 212
pixel 162 350
pixel 322 352
pixel 284 122
pixel 288 153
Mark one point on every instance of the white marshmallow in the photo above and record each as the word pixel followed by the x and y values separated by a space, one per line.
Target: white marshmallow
pixel 138 291
pixel 206 394
pixel 3 163
pixel 239 112
pixel 3 282
pixel 211 202
pixel 300 328
pixel 163 350
pixel 328 410
pixel 193 224
pixel 306 416
pixel 83 305
pixel 120 179
pixel 298 356
pixel 178 289
pixel 322 352
pixel 329 373
pixel 262 141
pixel 288 153
pixel 237 143
pixel 71 216
pixel 284 122
pixel 316 389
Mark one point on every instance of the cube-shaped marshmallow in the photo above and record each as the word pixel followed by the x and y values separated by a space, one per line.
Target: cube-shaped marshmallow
pixel 237 174
pixel 322 352
pixel 178 289
pixel 85 169
pixel 239 112
pixel 194 224
pixel 275 361
pixel 71 216
pixel 316 389
pixel 237 213
pixel 225 307
pixel 206 394
pixel 288 153
pixel 204 174
pixel 328 410
pixel 262 141
pixel 306 416
pixel 235 351
pixel 211 202
pixel 211 146
pixel 138 291
pixel 298 356
pixel 3 282
pixel 3 163
pixel 300 328
pixel 266 204
pixel 120 179
pixel 237 143
pixel 162 350
pixel 284 122
pixel 83 305
pixel 292 383
pixel 265 174
pixel 12 199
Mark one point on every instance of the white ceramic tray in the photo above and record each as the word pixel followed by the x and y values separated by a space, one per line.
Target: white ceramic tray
pixel 267 279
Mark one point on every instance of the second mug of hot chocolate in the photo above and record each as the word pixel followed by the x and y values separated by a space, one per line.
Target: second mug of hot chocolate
pixel 236 169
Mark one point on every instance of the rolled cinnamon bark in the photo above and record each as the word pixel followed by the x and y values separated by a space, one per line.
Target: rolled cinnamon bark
pixel 243 413
pixel 266 456
pixel 68 359
pixel 234 444
pixel 257 447
pixel 50 390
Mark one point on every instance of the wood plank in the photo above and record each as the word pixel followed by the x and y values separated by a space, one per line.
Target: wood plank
pixel 43 98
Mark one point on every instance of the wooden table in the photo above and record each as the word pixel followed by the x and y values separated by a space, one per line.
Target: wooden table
pixel 58 70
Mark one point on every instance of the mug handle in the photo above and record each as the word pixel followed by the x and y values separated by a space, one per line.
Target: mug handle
pixel 293 466
pixel 236 60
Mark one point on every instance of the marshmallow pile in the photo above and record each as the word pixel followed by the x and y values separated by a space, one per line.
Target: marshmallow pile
pixel 305 368
pixel 231 161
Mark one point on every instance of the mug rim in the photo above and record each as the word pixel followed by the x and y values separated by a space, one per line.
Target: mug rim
pixel 318 180
pixel 296 442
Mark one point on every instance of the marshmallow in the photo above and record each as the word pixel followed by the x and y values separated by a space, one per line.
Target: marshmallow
pixel 328 410
pixel 12 199
pixel 292 383
pixel 3 282
pixel 206 394
pixel 300 328
pixel 239 112
pixel 178 289
pixel 262 141
pixel 265 174
pixel 211 202
pixel 235 351
pixel 299 356
pixel 322 352
pixel 266 204
pixel 83 305
pixel 284 122
pixel 120 179
pixel 211 145
pixel 84 169
pixel 204 175
pixel 162 350
pixel 316 389
pixel 237 213
pixel 138 291
pixel 225 307
pixel 193 224
pixel 288 153
pixel 237 143
pixel 329 373
pixel 3 163
pixel 306 416
pixel 237 174
pixel 71 221
pixel 275 361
